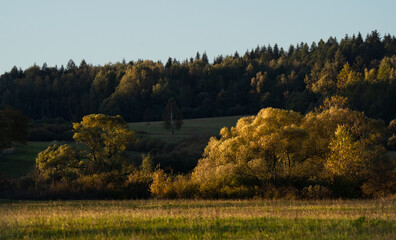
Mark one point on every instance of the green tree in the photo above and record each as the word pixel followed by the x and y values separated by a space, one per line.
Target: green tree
pixel 18 124
pixel 13 127
pixel 5 132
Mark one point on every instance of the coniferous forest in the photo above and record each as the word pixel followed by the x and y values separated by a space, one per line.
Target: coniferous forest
pixel 359 68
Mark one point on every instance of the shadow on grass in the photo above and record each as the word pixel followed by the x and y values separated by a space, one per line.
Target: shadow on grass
pixel 210 227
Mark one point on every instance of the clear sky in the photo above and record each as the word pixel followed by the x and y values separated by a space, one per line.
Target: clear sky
pixel 54 31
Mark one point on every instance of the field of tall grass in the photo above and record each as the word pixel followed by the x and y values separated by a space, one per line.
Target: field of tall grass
pixel 199 219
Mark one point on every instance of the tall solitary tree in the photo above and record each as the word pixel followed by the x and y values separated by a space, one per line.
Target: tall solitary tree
pixel 172 117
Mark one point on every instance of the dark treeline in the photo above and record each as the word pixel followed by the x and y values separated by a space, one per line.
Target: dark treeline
pixel 363 70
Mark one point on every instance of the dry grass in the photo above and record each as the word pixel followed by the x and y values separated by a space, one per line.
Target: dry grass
pixel 199 219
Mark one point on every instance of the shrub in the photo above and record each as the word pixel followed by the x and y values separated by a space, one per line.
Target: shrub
pixel 184 188
pixel 316 192
pixel 161 187
pixel 237 192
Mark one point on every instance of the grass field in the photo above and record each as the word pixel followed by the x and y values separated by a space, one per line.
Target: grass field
pixel 199 219
pixel 190 127
pixel 19 163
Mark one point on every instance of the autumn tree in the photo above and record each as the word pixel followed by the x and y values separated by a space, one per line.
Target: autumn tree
pixel 258 151
pixel 335 101
pixel 257 83
pixel 58 163
pixel 347 157
pixel 347 76
pixel 279 146
pixel 392 139
pixel 106 138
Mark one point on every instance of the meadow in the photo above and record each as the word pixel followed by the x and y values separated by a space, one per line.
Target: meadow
pixel 199 219
pixel 22 160
pixel 190 127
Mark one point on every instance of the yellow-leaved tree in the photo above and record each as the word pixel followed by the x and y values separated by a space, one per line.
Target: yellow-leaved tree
pixel 58 163
pixel 254 153
pixel 332 146
pixel 347 157
pixel 104 139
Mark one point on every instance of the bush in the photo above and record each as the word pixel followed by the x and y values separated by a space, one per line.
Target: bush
pixel 165 187
pixel 381 181
pixel 137 184
pixel 316 192
pixel 161 187
pixel 101 185
pixel 392 143
pixel 238 192
pixel 184 188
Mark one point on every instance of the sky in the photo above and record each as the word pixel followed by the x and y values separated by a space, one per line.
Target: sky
pixel 54 31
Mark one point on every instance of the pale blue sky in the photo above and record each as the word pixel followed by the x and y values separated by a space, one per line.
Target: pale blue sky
pixel 100 32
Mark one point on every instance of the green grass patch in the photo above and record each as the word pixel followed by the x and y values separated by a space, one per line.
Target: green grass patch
pixel 392 154
pixel 20 162
pixel 198 219
pixel 190 127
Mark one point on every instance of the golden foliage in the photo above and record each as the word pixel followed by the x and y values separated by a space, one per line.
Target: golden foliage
pixel 331 142
pixel 57 162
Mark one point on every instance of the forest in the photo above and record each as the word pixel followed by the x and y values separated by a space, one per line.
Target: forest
pixel 320 121
pixel 299 78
